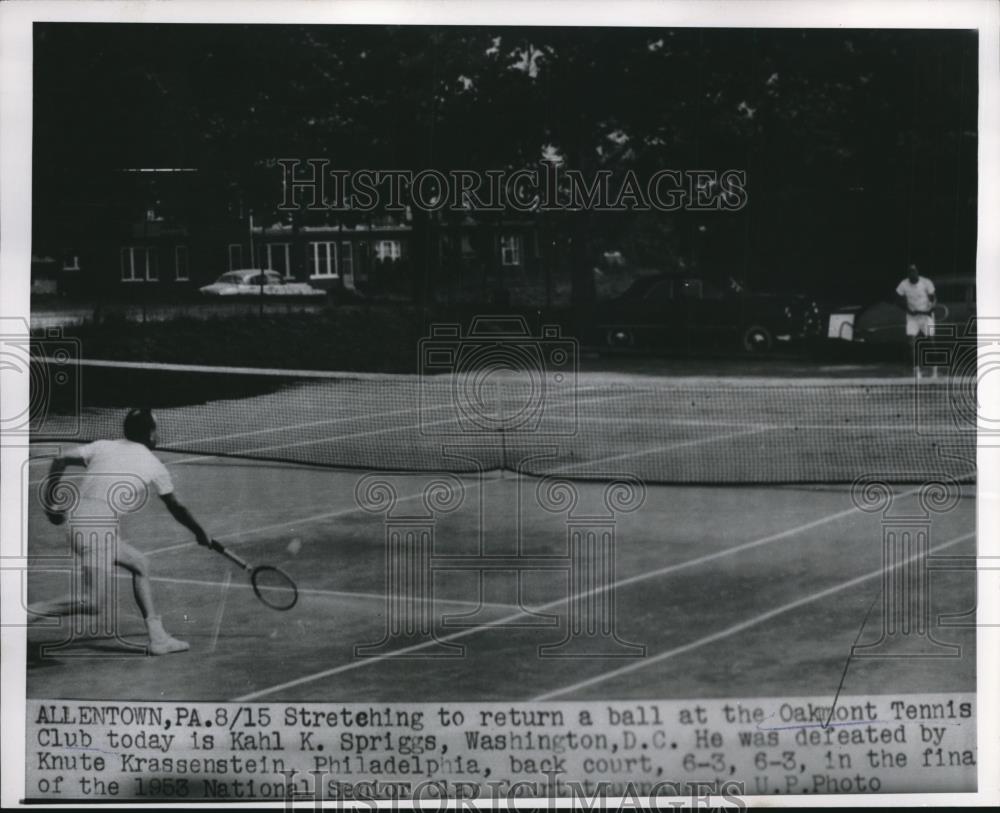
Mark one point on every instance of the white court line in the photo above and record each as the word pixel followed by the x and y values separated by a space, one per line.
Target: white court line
pixel 368 416
pixel 667 448
pixel 322 592
pixel 348 436
pixel 328 438
pixel 655 421
pixel 371 432
pixel 222 609
pixel 237 452
pixel 735 628
pixel 651 574
pixel 249 532
pixel 343 512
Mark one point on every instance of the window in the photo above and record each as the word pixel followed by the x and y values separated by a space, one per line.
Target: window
pixel 322 259
pixel 510 249
pixel 388 250
pixel 181 264
pixel 138 264
pixel 277 258
pixel 347 259
pixel 235 256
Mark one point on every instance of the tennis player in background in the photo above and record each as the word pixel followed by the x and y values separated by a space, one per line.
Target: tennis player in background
pixel 103 459
pixel 917 296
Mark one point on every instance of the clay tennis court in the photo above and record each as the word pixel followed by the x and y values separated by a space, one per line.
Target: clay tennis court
pixel 721 586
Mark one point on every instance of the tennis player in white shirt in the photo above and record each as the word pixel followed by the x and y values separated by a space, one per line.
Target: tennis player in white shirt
pixel 917 295
pixel 103 459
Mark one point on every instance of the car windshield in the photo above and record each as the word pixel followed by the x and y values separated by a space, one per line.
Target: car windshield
pixel 233 278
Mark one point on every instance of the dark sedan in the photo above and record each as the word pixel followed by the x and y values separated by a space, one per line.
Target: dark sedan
pixel 677 310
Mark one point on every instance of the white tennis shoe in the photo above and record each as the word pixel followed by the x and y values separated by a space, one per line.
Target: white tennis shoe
pixel 160 641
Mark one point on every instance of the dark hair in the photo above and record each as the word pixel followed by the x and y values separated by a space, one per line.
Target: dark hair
pixel 139 425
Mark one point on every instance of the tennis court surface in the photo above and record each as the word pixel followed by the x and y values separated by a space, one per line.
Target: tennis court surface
pixel 622 537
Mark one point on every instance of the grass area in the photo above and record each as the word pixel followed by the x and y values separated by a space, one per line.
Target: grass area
pixel 354 338
pixel 342 339
pixel 386 338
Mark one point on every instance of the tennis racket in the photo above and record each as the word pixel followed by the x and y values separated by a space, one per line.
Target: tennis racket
pixel 272 585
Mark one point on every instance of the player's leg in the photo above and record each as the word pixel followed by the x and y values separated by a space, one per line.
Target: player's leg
pixel 137 563
pixel 912 332
pixel 929 333
pixel 81 599
pixel 913 355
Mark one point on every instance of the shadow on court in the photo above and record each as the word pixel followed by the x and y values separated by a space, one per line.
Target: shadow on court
pixel 729 591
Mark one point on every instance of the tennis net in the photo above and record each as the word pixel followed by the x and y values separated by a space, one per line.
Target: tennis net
pixel 594 426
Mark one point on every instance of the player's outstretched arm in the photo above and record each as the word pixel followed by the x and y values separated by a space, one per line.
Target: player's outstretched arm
pixel 56 469
pixel 180 512
pixel 60 464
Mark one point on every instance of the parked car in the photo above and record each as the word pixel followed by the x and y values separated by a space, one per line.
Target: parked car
pixel 674 309
pixel 249 281
pixel 885 322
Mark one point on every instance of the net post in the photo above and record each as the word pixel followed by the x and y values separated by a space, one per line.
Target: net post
pixel 497 583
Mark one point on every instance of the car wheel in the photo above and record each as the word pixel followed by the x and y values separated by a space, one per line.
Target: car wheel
pixel 757 339
pixel 620 337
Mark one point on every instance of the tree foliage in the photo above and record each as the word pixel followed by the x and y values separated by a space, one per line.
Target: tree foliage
pixel 859 146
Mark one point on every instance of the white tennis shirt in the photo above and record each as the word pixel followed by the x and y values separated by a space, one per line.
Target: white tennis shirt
pixel 918 294
pixel 116 461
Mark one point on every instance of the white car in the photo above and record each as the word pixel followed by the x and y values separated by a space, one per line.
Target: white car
pixel 248 282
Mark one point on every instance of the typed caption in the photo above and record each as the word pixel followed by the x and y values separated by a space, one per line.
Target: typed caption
pixel 91 750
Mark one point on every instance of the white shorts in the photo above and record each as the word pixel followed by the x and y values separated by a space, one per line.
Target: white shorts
pixel 919 324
